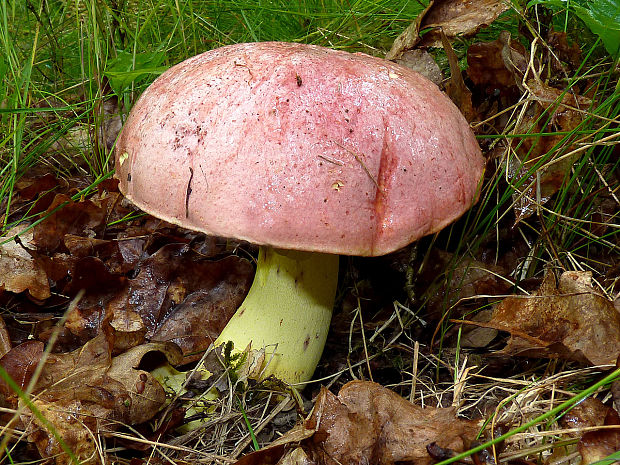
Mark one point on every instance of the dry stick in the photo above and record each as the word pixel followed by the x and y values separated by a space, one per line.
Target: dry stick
pixel 359 307
pixel 414 375
pixel 172 447
pixel 361 162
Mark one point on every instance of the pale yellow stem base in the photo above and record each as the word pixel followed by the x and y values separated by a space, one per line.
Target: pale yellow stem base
pixel 287 312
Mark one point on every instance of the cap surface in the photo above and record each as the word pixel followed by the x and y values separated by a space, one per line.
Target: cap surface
pixel 299 147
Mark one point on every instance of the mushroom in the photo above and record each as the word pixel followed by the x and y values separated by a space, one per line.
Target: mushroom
pixel 308 152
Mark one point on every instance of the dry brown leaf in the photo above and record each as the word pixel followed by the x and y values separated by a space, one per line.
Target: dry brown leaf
pixel 20 270
pixel 597 445
pixel 479 336
pixel 81 218
pixel 409 37
pixel 569 319
pixel 145 393
pixel 497 65
pixel 460 18
pixel 367 423
pixel 87 392
pixel 563 114
pixel 454 17
pixel 71 422
pixel 5 339
pixel 562 51
pixel 456 88
pixel 30 187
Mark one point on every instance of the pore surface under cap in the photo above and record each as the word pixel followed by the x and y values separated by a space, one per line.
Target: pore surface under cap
pixel 299 147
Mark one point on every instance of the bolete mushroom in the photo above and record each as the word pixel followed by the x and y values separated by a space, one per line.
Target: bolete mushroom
pixel 309 152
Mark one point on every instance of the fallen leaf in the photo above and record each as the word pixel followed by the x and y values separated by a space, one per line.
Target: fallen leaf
pixel 587 413
pixel 199 319
pixel 81 218
pixel 422 62
pixel 456 88
pixel 454 17
pixel 408 39
pixel 568 319
pixel 20 270
pixel 561 51
pixel 367 423
pixel 597 445
pixel 479 336
pixel 5 339
pixel 87 392
pixel 29 188
pixel 535 186
pixel 100 286
pixel 73 424
pixel 145 393
pixel 497 66
pixel 460 18
pixel 184 298
pixel 109 112
pixel 20 363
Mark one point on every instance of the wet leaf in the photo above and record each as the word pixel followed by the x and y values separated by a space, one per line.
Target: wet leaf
pixel 183 298
pixel 20 270
pixel 20 363
pixel 568 319
pixel 81 218
pixel 587 413
pixel 598 444
pixel 367 423
pixel 100 286
pixel 200 318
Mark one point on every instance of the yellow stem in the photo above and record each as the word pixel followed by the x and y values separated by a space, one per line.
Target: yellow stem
pixel 286 312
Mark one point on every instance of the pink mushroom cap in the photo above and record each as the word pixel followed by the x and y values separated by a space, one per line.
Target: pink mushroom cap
pixel 299 147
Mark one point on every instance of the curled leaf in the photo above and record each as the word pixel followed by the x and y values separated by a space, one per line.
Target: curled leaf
pixel 20 271
pixel 567 319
